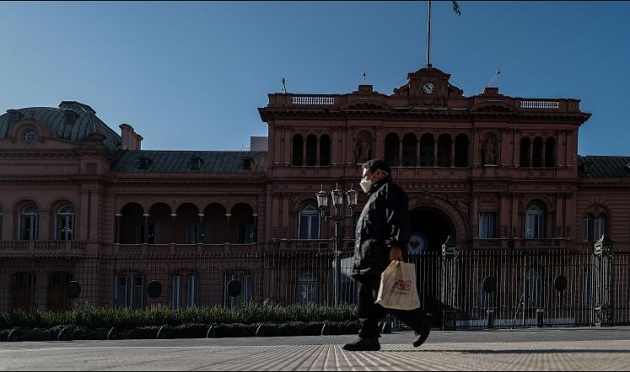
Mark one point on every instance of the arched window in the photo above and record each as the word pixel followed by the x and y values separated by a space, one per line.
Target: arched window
pixel 298 148
pixel 461 150
pixel 64 223
pixel 409 150
pixel 524 153
pixel 306 287
pixel 392 144
pixel 535 221
pixel 309 221
pixel 29 223
pixel 594 227
pixel 600 226
pixel 550 152
pixel 426 150
pixel 311 150
pixel 537 154
pixel 587 233
pixel 444 151
pixel 324 150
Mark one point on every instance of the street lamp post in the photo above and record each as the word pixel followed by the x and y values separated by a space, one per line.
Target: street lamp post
pixel 337 196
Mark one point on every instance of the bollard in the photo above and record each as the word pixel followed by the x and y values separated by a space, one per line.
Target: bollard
pixel 539 317
pixel 489 318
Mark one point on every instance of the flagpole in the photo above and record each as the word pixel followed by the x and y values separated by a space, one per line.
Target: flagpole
pixel 429 35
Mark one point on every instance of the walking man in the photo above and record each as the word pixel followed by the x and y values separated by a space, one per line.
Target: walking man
pixel 382 234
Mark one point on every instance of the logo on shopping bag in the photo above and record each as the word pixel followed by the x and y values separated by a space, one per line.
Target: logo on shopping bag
pixel 402 285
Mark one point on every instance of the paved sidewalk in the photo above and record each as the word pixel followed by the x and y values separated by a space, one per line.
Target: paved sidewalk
pixel 534 349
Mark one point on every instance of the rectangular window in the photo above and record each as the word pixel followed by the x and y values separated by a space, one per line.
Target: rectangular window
pixel 121 291
pixel 176 294
pixel 487 225
pixel 179 288
pixel 24 288
pixel 137 296
pixel 129 291
pixel 230 301
pixel 246 289
pixel 58 281
pixel 193 290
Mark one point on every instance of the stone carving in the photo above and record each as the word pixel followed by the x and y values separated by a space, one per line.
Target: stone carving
pixel 489 152
pixel 363 152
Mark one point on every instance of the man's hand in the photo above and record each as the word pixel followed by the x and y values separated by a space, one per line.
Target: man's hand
pixel 395 254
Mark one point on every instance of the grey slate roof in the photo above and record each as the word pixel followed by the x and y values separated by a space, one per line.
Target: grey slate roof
pixel 86 123
pixel 179 161
pixel 604 167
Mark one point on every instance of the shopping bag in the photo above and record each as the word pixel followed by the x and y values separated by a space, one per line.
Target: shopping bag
pixel 398 287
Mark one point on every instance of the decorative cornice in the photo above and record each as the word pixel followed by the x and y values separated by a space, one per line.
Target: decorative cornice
pixel 448 186
pixel 184 194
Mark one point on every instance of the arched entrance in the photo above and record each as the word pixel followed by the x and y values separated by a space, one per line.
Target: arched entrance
pixel 430 228
pixel 433 226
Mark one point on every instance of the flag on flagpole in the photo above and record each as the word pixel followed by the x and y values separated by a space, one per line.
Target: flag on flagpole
pixel 456 8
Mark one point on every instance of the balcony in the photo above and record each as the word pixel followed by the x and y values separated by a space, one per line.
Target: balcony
pixel 520 243
pixel 550 243
pixel 28 248
pixel 312 245
pixel 186 250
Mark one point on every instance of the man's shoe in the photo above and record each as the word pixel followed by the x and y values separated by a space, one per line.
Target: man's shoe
pixel 363 344
pixel 424 331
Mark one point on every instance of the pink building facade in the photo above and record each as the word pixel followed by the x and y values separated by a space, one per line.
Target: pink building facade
pixel 82 203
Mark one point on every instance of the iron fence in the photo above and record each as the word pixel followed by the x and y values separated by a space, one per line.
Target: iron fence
pixel 463 289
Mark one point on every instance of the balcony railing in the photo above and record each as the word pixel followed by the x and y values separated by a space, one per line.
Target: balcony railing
pixel 490 243
pixel 69 247
pixel 313 244
pixel 519 243
pixel 539 104
pixel 42 247
pixel 186 249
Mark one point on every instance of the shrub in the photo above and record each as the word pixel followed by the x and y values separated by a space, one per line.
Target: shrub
pixel 124 318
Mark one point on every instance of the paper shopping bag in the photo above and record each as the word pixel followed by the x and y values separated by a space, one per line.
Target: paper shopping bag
pixel 398 287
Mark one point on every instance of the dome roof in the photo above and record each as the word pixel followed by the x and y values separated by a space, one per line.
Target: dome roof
pixel 72 121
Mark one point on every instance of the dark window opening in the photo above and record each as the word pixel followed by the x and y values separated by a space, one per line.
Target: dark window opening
pixel 298 147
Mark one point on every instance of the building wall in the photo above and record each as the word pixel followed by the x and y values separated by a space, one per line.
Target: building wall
pixel 455 156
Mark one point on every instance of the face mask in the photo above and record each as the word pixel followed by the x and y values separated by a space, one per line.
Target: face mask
pixel 366 185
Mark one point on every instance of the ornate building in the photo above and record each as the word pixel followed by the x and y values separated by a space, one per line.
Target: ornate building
pixel 82 204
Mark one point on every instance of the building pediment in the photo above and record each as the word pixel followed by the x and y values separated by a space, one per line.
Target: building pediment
pixel 429 83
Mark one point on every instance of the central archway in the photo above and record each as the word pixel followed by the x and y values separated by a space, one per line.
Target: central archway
pixel 433 226
pixel 430 228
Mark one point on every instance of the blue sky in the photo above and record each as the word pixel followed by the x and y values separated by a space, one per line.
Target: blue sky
pixel 191 75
